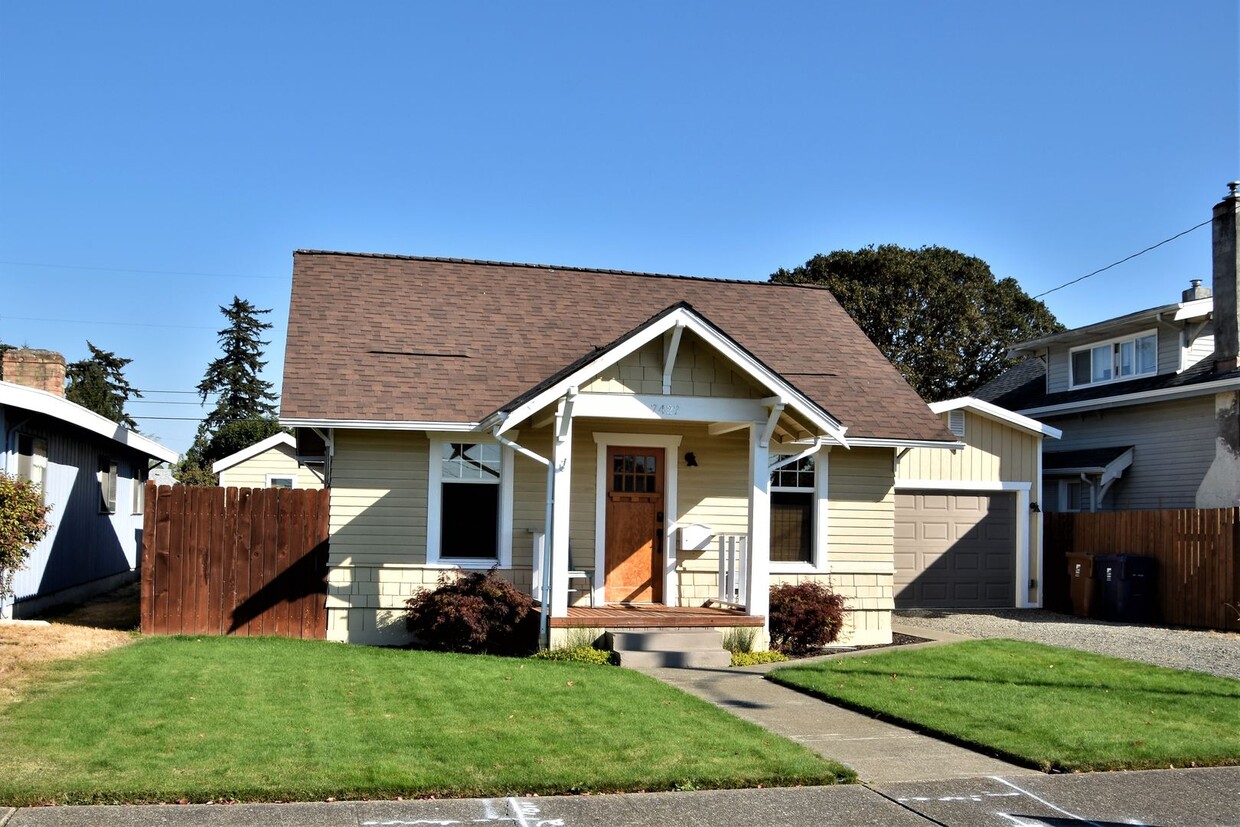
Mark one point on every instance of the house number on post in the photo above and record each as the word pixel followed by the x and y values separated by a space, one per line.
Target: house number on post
pixel 665 410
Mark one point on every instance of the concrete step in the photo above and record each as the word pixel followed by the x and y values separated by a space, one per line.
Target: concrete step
pixel 677 648
pixel 664 640
pixel 698 659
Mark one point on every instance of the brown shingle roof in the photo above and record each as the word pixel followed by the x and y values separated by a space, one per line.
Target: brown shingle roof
pixel 394 338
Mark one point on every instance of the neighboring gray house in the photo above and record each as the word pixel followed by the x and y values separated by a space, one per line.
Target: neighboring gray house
pixel 91 470
pixel 1147 402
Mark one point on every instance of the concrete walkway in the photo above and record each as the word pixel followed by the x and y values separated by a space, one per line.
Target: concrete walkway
pixel 880 752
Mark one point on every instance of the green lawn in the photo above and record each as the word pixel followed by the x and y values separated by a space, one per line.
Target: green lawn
pixel 1057 709
pixel 267 719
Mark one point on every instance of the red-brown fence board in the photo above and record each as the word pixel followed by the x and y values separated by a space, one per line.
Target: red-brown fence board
pixel 228 561
pixel 1198 554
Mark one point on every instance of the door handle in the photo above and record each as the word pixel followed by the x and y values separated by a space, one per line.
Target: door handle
pixel 658 517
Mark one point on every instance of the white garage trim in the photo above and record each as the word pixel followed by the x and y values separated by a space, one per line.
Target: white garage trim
pixel 1024 564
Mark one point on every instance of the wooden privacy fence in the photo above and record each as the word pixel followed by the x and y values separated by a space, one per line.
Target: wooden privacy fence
pixel 234 561
pixel 1198 553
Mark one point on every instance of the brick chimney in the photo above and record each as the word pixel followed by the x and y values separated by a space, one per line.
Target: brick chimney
pixel 42 369
pixel 1227 280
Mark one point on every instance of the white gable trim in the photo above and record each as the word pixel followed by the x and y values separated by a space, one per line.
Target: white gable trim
pixel 57 407
pixel 253 451
pixel 991 411
pixel 378 424
pixel 682 317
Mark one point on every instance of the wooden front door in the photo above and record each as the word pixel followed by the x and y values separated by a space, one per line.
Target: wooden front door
pixel 634 543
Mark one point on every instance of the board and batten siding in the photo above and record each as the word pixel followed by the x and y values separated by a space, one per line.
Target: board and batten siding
pixel 1173 442
pixel 993 452
pixel 86 551
pixel 277 461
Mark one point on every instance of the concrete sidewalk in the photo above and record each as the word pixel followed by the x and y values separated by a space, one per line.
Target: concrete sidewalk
pixel 880 752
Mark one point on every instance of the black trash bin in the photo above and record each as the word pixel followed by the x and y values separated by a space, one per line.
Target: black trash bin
pixel 1126 587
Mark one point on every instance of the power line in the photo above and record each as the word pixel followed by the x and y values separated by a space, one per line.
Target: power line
pixel 100 321
pixel 165 402
pixel 144 390
pixel 1122 260
pixel 169 418
pixel 145 272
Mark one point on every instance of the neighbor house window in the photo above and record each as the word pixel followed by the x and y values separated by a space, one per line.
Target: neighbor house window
pixel 107 485
pixel 280 481
pixel 469 500
pixel 140 475
pixel 792 511
pixel 32 461
pixel 1115 360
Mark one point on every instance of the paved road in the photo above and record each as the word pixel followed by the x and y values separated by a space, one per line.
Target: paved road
pixel 1162 798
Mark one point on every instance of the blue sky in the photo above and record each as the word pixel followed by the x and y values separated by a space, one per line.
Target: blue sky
pixel 166 156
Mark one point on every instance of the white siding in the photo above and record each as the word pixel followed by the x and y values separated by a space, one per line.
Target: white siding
pixel 994 452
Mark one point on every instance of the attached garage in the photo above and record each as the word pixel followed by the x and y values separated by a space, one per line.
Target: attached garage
pixel 955 550
pixel 968 522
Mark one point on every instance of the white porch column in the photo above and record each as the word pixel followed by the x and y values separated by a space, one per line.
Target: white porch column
pixel 757 575
pixel 562 462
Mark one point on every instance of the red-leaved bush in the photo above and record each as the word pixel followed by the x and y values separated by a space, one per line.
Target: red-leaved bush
pixel 472 612
pixel 804 617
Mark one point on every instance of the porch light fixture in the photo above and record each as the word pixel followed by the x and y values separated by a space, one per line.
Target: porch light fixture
pixel 691 460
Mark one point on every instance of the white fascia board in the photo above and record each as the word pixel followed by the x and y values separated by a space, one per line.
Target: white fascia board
pixel 1194 309
pixel 684 318
pixel 57 407
pixel 961 485
pixel 379 425
pixel 1081 335
pixel 1160 395
pixel 675 408
pixel 995 412
pixel 253 451
pixel 878 442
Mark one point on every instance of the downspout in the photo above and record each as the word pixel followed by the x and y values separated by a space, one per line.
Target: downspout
pixel 544 616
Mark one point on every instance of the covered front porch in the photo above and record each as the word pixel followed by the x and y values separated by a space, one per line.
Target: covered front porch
pixel 633 616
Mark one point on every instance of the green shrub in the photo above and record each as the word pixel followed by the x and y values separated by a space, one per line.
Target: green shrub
pixel 472 612
pixel 576 654
pixel 754 658
pixel 804 617
pixel 23 524
pixel 739 639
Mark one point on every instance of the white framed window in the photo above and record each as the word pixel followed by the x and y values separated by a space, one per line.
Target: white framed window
pixel 469 503
pixel 798 495
pixel 1073 496
pixel 140 475
pixel 107 485
pixel 281 481
pixel 1115 360
pixel 32 461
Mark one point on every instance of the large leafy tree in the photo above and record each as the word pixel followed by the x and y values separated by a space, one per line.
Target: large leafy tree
pixel 98 383
pixel 245 410
pixel 940 316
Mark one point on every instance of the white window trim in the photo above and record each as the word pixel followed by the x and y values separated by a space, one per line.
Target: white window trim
pixel 434 504
pixel 1132 337
pixel 818 547
pixel 107 504
pixel 292 477
pixel 670 443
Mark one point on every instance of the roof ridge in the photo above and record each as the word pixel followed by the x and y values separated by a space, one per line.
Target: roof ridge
pixel 560 267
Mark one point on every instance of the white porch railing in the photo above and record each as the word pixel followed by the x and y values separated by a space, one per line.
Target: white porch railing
pixel 733 568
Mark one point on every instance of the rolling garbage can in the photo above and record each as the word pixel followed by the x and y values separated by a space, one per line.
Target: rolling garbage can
pixel 1126 587
pixel 1081 583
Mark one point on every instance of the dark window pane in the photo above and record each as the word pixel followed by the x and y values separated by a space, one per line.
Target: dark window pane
pixel 1081 367
pixel 792 523
pixel 470 524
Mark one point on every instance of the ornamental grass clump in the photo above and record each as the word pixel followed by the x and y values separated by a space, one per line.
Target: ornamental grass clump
pixel 473 612
pixel 804 617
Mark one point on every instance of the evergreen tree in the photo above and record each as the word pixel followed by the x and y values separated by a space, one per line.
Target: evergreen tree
pixel 245 410
pixel 98 383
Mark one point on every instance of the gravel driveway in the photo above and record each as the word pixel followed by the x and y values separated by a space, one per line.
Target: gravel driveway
pixel 1215 652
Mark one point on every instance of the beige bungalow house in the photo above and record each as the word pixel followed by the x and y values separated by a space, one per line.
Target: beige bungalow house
pixel 632 449
pixel 268 463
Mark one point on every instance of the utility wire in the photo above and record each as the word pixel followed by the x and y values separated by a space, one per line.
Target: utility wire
pixel 1122 260
pixel 100 321
pixel 145 272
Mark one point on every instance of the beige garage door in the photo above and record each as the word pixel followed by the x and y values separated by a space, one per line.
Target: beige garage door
pixel 955 551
